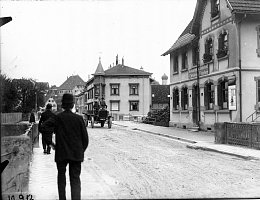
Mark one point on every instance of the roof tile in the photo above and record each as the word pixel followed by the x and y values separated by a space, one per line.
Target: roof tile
pixel 125 70
pixel 71 82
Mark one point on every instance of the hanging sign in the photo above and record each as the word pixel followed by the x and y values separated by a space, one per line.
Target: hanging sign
pixel 232 100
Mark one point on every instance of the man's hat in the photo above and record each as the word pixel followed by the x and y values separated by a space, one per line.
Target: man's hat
pixel 67 99
pixel 48 106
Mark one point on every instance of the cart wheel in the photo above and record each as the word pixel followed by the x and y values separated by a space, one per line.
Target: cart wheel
pixel 92 122
pixel 102 123
pixel 109 122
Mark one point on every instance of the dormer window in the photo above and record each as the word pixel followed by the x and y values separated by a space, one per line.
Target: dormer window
pixel 222 45
pixel 207 57
pixel 214 8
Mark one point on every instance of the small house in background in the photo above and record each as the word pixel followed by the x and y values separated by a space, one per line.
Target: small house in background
pixel 51 97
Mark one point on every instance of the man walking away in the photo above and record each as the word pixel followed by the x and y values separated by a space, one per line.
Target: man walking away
pixel 46 134
pixel 71 143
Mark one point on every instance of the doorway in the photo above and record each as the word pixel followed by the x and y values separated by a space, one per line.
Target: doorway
pixel 195 104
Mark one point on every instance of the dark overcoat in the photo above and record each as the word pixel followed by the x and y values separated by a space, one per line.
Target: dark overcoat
pixel 71 136
pixel 45 116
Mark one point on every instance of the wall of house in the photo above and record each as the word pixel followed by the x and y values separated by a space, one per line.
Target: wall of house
pixel 144 96
pixel 249 91
pixel 249 57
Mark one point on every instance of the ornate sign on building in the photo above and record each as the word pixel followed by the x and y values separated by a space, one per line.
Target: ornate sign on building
pixel 203 70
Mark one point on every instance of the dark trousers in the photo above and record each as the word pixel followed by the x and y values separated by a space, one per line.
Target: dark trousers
pixel 74 173
pixel 46 141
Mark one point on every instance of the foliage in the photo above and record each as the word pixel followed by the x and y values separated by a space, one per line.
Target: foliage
pixel 162 115
pixel 19 95
pixel 9 94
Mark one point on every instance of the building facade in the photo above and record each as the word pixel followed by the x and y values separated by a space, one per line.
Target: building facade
pixel 126 91
pixel 215 65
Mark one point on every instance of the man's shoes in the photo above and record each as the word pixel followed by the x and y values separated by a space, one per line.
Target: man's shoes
pixel 48 152
pixel 44 152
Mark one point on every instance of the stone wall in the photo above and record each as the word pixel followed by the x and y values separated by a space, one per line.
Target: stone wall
pixel 17 145
pixel 17 150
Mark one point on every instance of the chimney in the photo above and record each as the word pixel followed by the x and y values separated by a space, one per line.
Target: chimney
pixel 141 68
pixel 123 61
pixel 88 77
pixel 117 59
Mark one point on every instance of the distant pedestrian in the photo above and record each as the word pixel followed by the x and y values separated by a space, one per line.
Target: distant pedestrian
pixel 32 117
pixel 47 133
pixel 71 143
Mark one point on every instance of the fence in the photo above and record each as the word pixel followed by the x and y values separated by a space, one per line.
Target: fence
pixel 11 117
pixel 242 134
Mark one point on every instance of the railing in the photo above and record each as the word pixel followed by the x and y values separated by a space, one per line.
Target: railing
pixel 253 119
pixel 11 117
pixel 243 134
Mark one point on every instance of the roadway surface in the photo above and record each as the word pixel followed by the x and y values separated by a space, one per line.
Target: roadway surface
pixel 122 163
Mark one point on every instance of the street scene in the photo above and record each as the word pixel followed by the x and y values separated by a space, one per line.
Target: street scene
pixel 125 163
pixel 136 99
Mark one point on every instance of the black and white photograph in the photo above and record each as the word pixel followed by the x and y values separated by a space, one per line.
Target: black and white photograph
pixel 130 99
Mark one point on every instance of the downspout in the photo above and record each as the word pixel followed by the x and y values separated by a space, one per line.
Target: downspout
pixel 240 65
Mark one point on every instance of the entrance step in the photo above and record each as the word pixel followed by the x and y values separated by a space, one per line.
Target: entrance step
pixel 194 129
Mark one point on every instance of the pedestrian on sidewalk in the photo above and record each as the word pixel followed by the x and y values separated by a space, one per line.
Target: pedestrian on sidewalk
pixel 71 143
pixel 32 117
pixel 46 134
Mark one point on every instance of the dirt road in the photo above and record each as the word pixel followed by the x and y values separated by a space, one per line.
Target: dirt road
pixel 132 164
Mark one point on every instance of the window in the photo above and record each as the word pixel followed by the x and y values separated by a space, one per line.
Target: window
pixel 90 94
pixel 207 57
pixel 175 64
pixel 114 105
pixel 214 8
pixel 133 89
pixel 134 105
pixel 184 61
pixel 209 96
pixel 114 89
pixel 175 98
pixel 195 55
pixel 97 90
pixel 258 41
pixel 184 98
pixel 223 94
pixel 222 45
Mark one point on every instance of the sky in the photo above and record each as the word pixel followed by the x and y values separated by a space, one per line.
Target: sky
pixel 49 41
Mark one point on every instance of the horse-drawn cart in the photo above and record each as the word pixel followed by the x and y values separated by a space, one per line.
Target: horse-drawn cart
pixel 99 116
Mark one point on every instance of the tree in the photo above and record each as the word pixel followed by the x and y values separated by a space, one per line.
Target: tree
pixel 9 94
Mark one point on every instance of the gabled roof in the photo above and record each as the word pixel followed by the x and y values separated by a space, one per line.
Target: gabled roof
pixel 71 82
pixel 185 38
pixel 125 70
pixel 244 6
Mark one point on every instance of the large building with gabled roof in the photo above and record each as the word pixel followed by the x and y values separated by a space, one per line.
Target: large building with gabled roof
pixel 126 91
pixel 214 65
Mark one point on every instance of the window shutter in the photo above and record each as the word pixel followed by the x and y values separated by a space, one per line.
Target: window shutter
pixel 206 47
pixel 220 96
pixel 220 42
pixel 182 99
pixel 206 97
